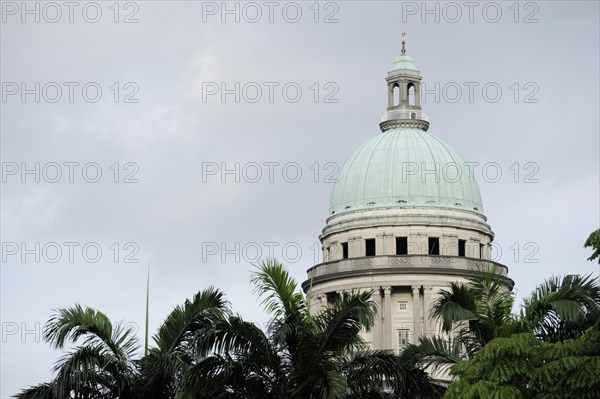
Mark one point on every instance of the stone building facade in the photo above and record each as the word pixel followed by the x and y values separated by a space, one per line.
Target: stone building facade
pixel 405 219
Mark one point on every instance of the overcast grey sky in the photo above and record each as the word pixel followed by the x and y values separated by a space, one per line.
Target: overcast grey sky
pixel 163 98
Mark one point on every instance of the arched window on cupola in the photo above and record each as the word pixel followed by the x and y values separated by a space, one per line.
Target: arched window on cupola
pixel 396 95
pixel 410 94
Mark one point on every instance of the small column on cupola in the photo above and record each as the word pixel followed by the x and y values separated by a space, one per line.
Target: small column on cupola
pixel 402 110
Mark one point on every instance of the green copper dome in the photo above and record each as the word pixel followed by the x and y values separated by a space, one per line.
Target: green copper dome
pixel 404 62
pixel 405 167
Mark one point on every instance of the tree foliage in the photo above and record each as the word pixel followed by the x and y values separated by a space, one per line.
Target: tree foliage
pixel 204 350
pixel 473 314
pixel 551 349
pixel 301 355
pixel 101 364
pixel 562 307
pixel 524 367
pixel 593 241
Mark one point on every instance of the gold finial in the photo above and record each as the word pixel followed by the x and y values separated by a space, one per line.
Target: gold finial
pixel 403 43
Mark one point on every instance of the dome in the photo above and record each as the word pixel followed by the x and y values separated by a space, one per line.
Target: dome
pixel 405 167
pixel 404 62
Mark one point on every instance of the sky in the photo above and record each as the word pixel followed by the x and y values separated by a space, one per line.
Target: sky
pixel 192 139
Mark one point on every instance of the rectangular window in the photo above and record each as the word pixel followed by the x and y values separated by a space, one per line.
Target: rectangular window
pixel 370 247
pixel 434 245
pixel 481 251
pixel 401 245
pixel 344 250
pixel 462 245
pixel 403 306
pixel 402 338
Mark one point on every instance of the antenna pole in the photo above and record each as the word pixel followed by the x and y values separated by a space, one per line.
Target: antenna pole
pixel 147 310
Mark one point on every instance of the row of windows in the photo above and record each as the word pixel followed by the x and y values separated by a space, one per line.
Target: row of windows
pixel 402 247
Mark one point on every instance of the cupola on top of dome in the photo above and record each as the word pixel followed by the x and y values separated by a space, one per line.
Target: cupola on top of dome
pixel 404 95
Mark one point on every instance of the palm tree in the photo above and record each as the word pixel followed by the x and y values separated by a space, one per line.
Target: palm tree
pixel 479 311
pixel 103 365
pixel 166 364
pixel 563 308
pixel 100 366
pixel 482 309
pixel 203 350
pixel 471 315
pixel 301 355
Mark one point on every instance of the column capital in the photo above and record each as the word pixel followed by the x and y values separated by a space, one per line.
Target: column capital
pixel 387 290
pixel 415 289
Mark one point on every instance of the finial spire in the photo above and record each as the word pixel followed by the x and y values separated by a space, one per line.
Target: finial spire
pixel 403 43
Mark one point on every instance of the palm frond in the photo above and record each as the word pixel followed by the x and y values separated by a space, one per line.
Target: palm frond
pixel 339 325
pixel 437 353
pixel 368 370
pixel 234 335
pixel 206 307
pixel 456 304
pixel 91 367
pixel 41 391
pixel 94 327
pixel 177 348
pixel 278 290
pixel 559 302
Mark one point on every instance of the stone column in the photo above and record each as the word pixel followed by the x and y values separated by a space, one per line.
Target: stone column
pixel 356 247
pixel 377 328
pixel 403 92
pixel 416 313
pixel 380 244
pixel 487 251
pixel 428 324
pixel 387 325
pixel 390 244
pixel 473 247
pixel 414 244
pixel 333 252
pixel 338 251
pixel 449 245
